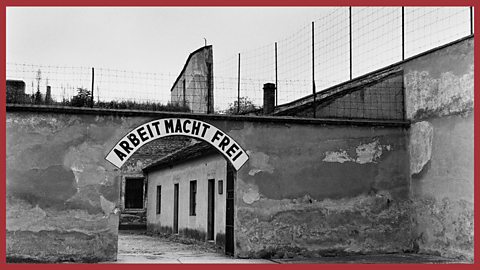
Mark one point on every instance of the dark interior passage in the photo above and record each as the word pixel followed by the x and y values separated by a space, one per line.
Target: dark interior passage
pixel 134 193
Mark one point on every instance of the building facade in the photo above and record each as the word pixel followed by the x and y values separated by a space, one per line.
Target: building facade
pixel 193 87
pixel 187 194
pixel 133 193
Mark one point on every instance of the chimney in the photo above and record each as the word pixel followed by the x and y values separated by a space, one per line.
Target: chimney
pixel 268 98
pixel 48 95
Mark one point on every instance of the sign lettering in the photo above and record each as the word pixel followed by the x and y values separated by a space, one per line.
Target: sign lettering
pixel 156 129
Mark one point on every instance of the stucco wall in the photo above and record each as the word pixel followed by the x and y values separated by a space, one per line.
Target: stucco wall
pixel 439 102
pixel 439 93
pixel 197 75
pixel 307 188
pixel 200 169
pixel 339 189
pixel 61 193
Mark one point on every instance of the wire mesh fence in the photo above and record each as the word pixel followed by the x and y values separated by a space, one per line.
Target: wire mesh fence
pixel 343 43
pixel 381 100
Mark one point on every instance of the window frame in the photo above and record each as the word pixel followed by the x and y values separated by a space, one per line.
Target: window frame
pixel 220 187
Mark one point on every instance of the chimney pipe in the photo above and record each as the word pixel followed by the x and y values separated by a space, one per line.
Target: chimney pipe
pixel 268 98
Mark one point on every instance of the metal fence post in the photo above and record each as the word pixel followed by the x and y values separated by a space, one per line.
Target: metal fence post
pixel 184 90
pixel 276 77
pixel 93 80
pixel 209 88
pixel 403 33
pixel 313 72
pixel 238 94
pixel 350 37
pixel 471 20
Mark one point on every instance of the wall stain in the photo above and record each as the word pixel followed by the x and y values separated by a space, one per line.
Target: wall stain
pixel 365 153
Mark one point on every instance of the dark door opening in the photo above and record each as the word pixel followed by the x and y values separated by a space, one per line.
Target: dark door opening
pixel 175 208
pixel 134 193
pixel 229 222
pixel 211 210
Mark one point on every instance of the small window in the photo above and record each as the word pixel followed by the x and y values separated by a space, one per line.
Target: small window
pixel 220 187
pixel 159 199
pixel 193 197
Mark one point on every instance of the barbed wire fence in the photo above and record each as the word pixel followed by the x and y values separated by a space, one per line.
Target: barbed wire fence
pixel 342 44
pixel 345 43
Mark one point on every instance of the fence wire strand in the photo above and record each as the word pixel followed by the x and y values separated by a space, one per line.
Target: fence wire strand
pixel 376 34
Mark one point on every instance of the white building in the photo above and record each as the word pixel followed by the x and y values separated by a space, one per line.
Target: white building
pixel 187 195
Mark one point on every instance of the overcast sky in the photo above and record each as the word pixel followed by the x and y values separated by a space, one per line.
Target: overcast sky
pixel 159 40
pixel 142 39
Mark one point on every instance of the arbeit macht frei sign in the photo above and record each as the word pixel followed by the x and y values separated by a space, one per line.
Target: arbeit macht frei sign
pixel 177 126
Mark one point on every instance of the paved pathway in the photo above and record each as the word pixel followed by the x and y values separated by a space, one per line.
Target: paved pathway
pixel 139 247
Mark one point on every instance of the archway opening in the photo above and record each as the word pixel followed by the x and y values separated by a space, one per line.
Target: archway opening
pixel 187 183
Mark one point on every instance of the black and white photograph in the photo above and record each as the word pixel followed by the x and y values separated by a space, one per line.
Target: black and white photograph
pixel 240 135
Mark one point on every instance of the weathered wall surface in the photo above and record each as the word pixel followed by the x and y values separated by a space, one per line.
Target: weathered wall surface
pixel 439 102
pixel 194 84
pixel 378 96
pixel 200 169
pixel 340 189
pixel 437 83
pixel 61 193
pixel 307 188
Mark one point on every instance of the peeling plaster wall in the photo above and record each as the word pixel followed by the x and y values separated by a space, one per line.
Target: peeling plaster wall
pixel 335 190
pixel 62 195
pixel 292 197
pixel 439 102
pixel 440 83
pixel 307 189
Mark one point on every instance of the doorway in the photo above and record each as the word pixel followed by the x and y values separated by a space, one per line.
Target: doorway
pixel 175 208
pixel 134 193
pixel 211 210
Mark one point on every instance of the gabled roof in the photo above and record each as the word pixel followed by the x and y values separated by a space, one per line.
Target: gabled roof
pixel 187 153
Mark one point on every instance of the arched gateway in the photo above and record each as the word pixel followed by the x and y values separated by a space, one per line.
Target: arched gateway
pixel 159 187
pixel 177 127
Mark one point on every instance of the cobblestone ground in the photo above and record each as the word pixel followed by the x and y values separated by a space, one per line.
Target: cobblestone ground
pixel 140 247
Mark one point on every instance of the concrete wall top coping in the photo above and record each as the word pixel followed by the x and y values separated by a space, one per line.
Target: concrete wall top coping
pixel 244 118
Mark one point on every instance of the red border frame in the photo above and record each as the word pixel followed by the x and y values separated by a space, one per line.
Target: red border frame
pixel 232 3
pixel 235 3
